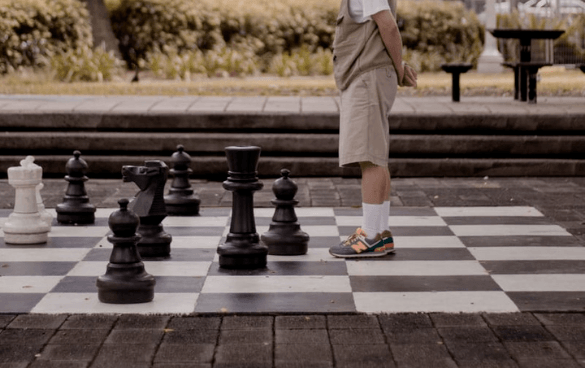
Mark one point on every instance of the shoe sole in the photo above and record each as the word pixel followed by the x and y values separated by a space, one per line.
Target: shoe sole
pixel 361 255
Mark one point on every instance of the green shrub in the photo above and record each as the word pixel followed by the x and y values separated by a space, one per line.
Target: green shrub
pixel 32 31
pixel 172 65
pixel 281 32
pixel 85 64
pixel 302 62
pixel 423 61
pixel 263 27
pixel 436 32
pixel 231 61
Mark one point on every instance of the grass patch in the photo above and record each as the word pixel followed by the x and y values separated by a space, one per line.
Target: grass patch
pixel 554 81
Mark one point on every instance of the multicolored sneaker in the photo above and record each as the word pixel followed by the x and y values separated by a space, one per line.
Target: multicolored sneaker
pixel 358 245
pixel 388 241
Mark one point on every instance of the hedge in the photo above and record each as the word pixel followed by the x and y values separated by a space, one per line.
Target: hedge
pixel 265 27
pixel 437 31
pixel 32 31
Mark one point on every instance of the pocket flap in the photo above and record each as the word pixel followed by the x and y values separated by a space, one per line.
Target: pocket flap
pixel 339 19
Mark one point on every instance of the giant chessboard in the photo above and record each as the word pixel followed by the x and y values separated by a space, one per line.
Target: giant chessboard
pixel 449 259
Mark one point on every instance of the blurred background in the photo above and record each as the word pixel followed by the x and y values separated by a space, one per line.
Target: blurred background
pixel 46 41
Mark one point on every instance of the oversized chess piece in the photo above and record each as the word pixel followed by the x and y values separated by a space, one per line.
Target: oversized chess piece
pixel 126 280
pixel 45 215
pixel 181 200
pixel 149 205
pixel 25 225
pixel 242 248
pixel 76 208
pixel 284 237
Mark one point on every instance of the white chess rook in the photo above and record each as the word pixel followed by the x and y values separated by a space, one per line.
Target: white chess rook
pixel 25 225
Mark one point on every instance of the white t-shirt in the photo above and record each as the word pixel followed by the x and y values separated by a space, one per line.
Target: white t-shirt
pixel 362 10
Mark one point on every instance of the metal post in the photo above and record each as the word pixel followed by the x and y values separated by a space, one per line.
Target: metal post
pixel 456 92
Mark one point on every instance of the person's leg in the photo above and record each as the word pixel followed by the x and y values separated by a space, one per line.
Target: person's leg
pixel 364 138
pixel 385 232
pixel 375 183
pixel 374 192
pixel 386 213
pixel 367 240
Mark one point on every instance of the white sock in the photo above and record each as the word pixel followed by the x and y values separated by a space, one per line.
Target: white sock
pixel 385 216
pixel 371 218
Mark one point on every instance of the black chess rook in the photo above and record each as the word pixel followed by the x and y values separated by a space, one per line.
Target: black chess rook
pixel 76 208
pixel 242 249
pixel 149 205
pixel 125 281
pixel 284 236
pixel 181 199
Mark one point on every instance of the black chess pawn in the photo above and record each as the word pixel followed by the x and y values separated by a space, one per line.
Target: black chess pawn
pixel 126 280
pixel 181 200
pixel 284 236
pixel 242 249
pixel 76 208
pixel 149 205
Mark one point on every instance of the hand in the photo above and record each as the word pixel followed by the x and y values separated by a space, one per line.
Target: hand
pixel 410 76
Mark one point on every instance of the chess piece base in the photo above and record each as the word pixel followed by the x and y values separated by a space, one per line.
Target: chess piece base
pixel 25 239
pixel 178 205
pixel 155 241
pixel 235 256
pixel 154 250
pixel 81 214
pixel 126 284
pixel 286 239
pixel 25 228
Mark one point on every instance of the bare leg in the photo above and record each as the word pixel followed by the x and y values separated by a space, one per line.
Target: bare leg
pixel 388 185
pixel 375 183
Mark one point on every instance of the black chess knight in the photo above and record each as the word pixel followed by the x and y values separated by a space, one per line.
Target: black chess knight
pixel 149 205
pixel 284 237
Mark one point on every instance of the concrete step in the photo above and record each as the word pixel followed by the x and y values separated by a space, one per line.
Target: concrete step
pixel 291 144
pixel 215 167
pixel 460 123
pixel 430 136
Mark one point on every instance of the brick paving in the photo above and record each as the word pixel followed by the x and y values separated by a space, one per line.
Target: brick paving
pixel 395 340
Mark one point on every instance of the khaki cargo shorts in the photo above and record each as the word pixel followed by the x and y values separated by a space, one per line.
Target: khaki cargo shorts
pixel 364 133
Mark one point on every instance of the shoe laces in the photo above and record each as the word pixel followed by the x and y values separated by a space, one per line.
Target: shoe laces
pixel 351 238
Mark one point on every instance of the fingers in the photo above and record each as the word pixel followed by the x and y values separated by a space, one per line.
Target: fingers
pixel 410 77
pixel 413 72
